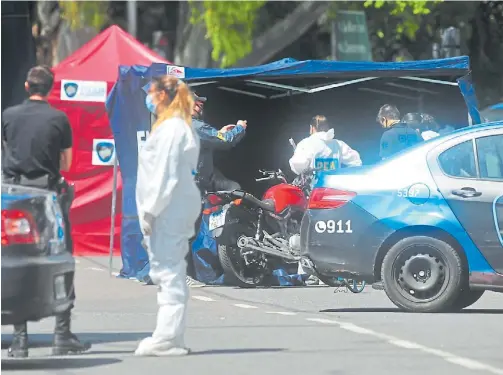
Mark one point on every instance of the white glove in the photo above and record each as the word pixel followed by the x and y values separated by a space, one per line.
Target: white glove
pixel 146 224
pixel 243 123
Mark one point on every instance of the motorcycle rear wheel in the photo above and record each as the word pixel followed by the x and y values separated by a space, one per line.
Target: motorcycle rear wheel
pixel 232 272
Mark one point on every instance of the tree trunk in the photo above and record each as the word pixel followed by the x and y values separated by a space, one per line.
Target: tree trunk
pixel 284 33
pixel 49 20
pixel 192 48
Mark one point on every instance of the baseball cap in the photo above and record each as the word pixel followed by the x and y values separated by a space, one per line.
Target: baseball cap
pixel 198 98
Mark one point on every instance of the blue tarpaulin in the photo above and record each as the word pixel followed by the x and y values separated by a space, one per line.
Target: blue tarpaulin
pixel 130 120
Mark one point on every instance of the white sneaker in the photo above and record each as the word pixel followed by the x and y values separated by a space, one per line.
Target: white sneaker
pixel 149 348
pixel 193 283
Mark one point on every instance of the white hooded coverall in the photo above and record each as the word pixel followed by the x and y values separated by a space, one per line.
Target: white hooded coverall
pixel 322 146
pixel 166 189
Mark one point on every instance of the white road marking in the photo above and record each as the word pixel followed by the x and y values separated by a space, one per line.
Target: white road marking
pixel 95 269
pixel 203 298
pixel 324 321
pixel 449 357
pixel 243 306
pixel 77 261
pixel 281 313
pixel 353 328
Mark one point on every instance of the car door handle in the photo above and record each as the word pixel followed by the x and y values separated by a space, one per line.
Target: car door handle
pixel 467 192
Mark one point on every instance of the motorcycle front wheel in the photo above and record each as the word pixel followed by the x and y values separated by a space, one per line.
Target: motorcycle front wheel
pixel 236 272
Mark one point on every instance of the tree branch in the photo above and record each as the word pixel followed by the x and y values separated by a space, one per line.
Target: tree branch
pixel 284 33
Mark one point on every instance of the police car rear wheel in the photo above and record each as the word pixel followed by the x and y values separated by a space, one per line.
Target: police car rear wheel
pixel 236 272
pixel 422 274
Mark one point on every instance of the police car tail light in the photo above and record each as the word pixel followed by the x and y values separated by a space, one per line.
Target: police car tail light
pixel 214 199
pixel 18 227
pixel 325 198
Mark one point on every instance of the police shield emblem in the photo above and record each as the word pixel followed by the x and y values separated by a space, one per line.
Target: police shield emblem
pixel 105 151
pixel 71 89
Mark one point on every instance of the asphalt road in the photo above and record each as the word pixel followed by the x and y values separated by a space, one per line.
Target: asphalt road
pixel 268 331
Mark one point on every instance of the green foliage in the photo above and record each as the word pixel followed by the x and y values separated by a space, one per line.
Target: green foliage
pixel 229 26
pixel 84 13
pixel 408 12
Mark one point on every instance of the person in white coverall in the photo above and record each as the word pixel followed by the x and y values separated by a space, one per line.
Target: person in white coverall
pixel 168 202
pixel 321 151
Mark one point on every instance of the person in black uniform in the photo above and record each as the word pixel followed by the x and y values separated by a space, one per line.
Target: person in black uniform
pixel 398 135
pixel 37 141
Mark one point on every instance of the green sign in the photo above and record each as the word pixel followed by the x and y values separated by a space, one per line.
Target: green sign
pixel 353 42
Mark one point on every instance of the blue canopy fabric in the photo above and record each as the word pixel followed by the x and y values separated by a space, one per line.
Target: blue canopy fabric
pixel 130 120
pixel 454 66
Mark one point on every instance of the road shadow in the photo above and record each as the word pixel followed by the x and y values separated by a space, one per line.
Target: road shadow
pixel 481 311
pixel 238 351
pixel 363 310
pixel 55 363
pixel 397 310
pixel 43 340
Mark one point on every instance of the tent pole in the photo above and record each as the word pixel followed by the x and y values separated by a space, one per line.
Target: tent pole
pixel 112 217
pixel 132 17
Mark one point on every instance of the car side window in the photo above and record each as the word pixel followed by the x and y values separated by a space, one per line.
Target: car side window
pixel 490 156
pixel 459 160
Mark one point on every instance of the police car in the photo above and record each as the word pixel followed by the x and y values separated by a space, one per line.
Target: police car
pixel 427 222
pixel 37 269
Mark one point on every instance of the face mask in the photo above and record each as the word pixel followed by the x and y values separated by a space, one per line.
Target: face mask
pixel 150 104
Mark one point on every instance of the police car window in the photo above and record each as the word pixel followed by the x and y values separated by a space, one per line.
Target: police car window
pixel 459 161
pixel 490 156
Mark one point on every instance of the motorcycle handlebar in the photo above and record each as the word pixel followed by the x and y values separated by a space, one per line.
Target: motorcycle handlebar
pixel 264 179
pixel 264 172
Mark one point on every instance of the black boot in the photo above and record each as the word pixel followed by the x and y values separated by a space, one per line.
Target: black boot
pixel 19 346
pixel 65 342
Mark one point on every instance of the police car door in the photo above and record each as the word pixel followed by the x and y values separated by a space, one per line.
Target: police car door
pixel 468 171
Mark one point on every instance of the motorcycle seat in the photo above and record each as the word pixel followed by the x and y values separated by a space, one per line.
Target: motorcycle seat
pixel 265 205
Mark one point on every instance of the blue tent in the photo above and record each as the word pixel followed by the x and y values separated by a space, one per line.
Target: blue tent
pixel 130 120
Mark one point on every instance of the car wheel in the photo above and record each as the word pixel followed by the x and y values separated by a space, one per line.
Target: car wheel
pixel 422 274
pixel 466 298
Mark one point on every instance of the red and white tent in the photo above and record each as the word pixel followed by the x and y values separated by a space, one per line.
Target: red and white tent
pixel 94 68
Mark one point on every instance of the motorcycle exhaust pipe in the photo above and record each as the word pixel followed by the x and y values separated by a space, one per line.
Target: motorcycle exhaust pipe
pixel 274 253
pixel 245 243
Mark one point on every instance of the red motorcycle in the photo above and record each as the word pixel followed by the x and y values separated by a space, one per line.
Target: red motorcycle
pixel 256 236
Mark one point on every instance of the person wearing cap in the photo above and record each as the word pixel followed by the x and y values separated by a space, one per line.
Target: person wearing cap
pixel 210 178
pixel 398 135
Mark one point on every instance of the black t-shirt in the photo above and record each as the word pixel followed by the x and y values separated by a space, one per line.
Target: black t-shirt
pixel 34 134
pixel 396 138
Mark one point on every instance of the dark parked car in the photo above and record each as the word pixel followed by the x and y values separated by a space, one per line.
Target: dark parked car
pixel 427 222
pixel 37 269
